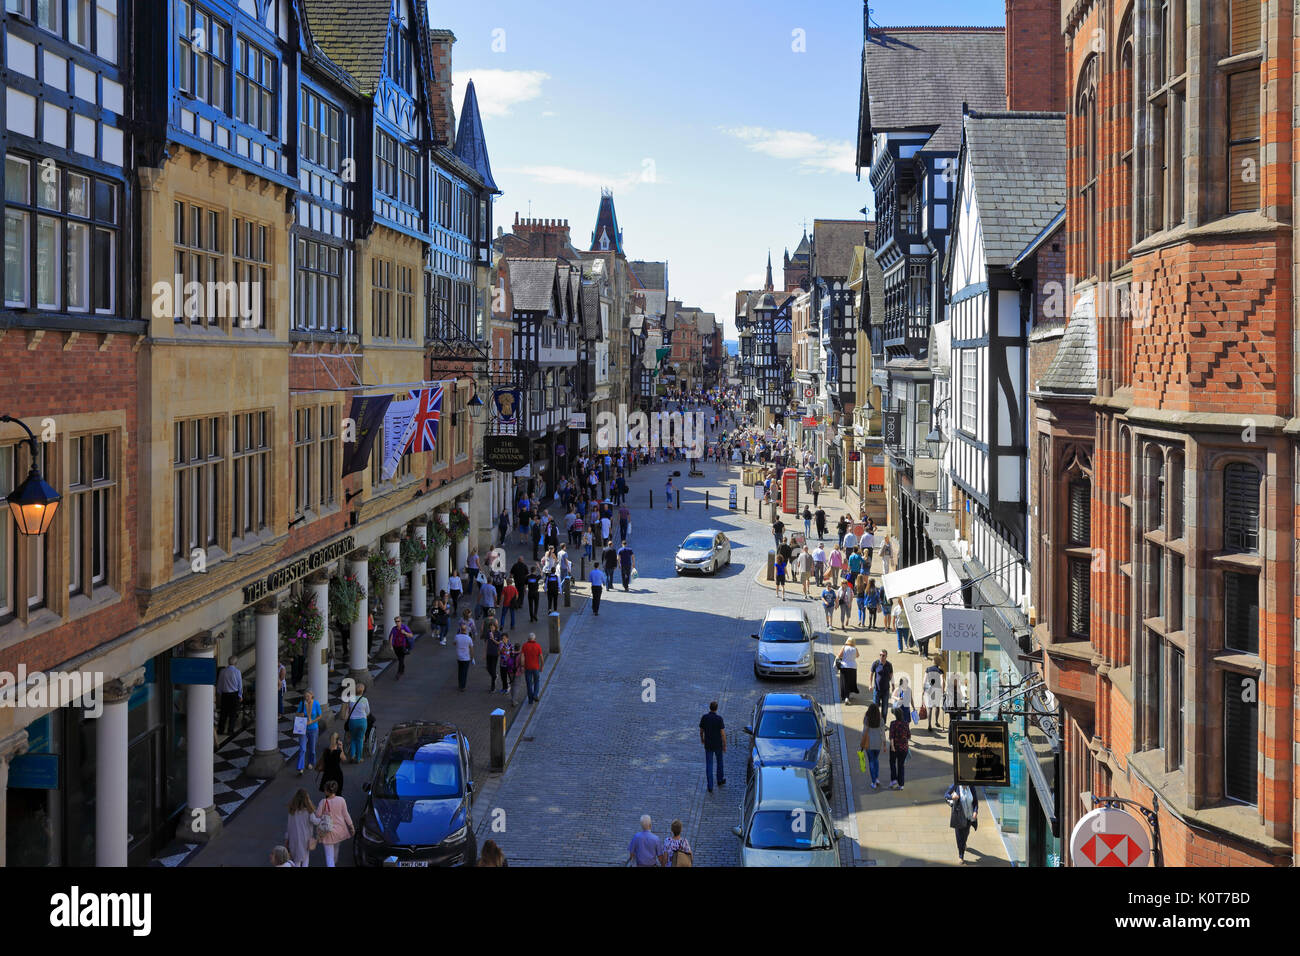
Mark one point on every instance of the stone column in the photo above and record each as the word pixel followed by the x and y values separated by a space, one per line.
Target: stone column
pixel 318 678
pixel 442 555
pixel 200 821
pixel 359 638
pixel 462 546
pixel 111 789
pixel 392 598
pixel 267 759
pixel 11 746
pixel 420 584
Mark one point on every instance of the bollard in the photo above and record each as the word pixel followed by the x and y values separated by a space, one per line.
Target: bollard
pixel 746 506
pixel 583 572
pixel 553 625
pixel 652 498
pixel 771 565
pixel 568 590
pixel 706 499
pixel 679 499
pixel 497 738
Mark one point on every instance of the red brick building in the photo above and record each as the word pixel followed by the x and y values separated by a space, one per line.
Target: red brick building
pixel 1179 250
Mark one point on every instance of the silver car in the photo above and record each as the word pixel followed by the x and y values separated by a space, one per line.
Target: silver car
pixel 704 551
pixel 785 644
pixel 786 821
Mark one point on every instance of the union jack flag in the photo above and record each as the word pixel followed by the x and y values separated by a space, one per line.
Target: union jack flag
pixel 427 416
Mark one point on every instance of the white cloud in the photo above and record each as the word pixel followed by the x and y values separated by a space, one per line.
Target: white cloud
pixel 812 153
pixel 586 179
pixel 754 280
pixel 499 91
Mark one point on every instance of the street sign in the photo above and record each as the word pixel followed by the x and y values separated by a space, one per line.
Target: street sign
pixel 980 754
pixel 963 630
pixel 1108 836
pixel 808 393
pixel 893 430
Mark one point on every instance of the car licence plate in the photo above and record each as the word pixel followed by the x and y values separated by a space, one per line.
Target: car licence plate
pixel 412 862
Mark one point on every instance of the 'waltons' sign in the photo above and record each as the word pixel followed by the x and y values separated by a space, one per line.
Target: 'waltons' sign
pixel 979 752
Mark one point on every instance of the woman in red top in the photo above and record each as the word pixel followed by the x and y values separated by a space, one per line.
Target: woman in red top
pixel 900 735
pixel 509 598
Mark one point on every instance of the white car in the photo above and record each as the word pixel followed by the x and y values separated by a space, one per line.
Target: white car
pixel 786 644
pixel 704 551
pixel 786 821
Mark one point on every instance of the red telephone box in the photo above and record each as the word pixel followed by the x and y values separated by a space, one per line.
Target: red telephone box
pixel 790 491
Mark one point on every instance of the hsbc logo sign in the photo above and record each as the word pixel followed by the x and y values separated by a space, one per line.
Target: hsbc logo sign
pixel 1109 836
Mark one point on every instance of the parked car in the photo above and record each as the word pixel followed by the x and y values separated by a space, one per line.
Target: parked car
pixel 785 644
pixel 704 551
pixel 789 730
pixel 786 821
pixel 418 800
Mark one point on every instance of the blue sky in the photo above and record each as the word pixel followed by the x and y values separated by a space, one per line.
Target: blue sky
pixel 720 125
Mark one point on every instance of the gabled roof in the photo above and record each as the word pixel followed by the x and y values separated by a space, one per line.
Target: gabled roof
pixel 606 234
pixel 917 78
pixel 651 275
pixel 353 34
pixel 532 284
pixel 1074 367
pixel 1017 162
pixel 471 147
pixel 833 243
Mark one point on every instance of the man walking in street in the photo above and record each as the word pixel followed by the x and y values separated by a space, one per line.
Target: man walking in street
pixel 230 685
pixel 820 517
pixel 533 583
pixel 464 657
pixel 626 562
pixel 882 678
pixel 598 580
pixel 532 652
pixel 646 849
pixel 778 529
pixel 487 599
pixel 713 735
pixel 624 519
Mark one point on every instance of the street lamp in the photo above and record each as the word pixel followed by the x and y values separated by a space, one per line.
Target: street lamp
pixel 34 502
pixel 475 406
pixel 935 438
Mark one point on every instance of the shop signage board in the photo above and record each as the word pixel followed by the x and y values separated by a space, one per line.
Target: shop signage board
pixel 194 670
pixel 892 432
pixel 34 772
pixel 1109 836
pixel 506 452
pixel 981 753
pixel 941 528
pixel 283 577
pixel 731 498
pixel 917 577
pixel 963 630
pixel 808 393
pixel 925 473
pixel 578 420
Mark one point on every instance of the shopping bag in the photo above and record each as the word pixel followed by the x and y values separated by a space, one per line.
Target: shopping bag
pixel 862 760
pixel 634 575
pixel 916 718
pixel 299 725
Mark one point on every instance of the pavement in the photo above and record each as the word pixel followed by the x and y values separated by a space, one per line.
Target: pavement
pixel 907 827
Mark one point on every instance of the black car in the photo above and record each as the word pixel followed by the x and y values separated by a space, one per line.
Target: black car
pixel 418 800
pixel 789 730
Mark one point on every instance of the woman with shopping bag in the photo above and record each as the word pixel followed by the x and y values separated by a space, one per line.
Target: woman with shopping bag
pixel 965 815
pixel 307 723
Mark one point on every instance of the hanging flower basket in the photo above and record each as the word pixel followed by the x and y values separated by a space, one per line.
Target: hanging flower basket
pixel 458 526
pixel 414 552
pixel 383 572
pixel 301 623
pixel 346 595
pixel 437 536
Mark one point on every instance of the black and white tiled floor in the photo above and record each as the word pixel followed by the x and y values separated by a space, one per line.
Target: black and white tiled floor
pixel 231 788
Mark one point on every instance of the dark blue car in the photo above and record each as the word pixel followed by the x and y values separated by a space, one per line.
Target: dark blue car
pixel 789 730
pixel 418 800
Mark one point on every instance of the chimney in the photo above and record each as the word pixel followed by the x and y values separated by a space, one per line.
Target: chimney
pixel 1035 56
pixel 442 109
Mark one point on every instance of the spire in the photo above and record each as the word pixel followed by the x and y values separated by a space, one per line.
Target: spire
pixel 768 286
pixel 471 148
pixel 606 236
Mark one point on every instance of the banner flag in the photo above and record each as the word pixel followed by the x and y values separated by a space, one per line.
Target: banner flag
pixel 368 414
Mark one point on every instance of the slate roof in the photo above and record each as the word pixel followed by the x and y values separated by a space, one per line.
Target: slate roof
pixel 833 243
pixel 607 225
pixel 1017 161
pixel 591 312
pixel 918 78
pixel 1074 367
pixel 651 275
pixel 471 147
pixel 352 33
pixel 532 284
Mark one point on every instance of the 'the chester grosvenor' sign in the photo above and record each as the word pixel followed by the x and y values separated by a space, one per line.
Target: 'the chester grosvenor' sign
pixel 283 577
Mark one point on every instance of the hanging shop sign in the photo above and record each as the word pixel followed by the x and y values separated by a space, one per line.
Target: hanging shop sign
pixel 1109 836
pixel 506 401
pixel 201 671
pixel 980 753
pixel 291 572
pixel 925 473
pixel 963 630
pixel 506 452
pixel 892 432
pixel 578 420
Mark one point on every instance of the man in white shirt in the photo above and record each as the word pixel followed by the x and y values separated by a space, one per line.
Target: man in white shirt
pixel 464 658
pixel 850 541
pixel 819 562
pixel 230 685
